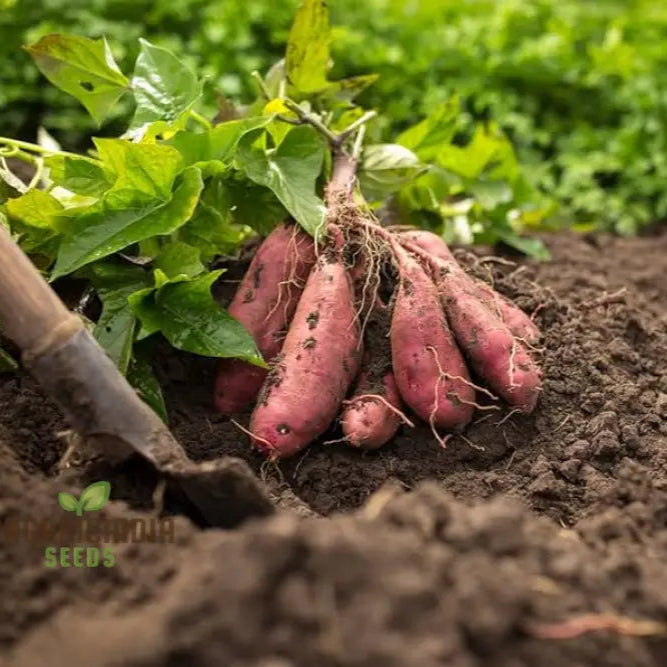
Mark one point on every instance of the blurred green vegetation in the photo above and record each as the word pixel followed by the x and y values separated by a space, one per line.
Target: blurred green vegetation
pixel 579 87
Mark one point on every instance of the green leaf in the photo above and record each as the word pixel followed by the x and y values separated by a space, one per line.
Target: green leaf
pixel 179 259
pixel 140 376
pixel 490 194
pixel 33 217
pixel 35 208
pixel 211 229
pixel 123 218
pixel 435 131
pixel 68 502
pixel 115 329
pixel 116 326
pixel 489 152
pixel 346 90
pixel 290 171
pixel 307 55
pixel 95 496
pixel 7 362
pixel 149 169
pixel 83 68
pixel 529 246
pixel 219 143
pixel 386 168
pixel 164 88
pixel 254 206
pixel 78 174
pixel 189 318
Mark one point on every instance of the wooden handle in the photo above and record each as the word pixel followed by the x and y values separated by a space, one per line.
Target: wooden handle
pixel 31 314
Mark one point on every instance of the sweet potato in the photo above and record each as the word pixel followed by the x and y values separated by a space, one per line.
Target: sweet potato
pixel 495 354
pixel 371 417
pixel 319 360
pixel 264 303
pixel 368 421
pixel 516 320
pixel 430 372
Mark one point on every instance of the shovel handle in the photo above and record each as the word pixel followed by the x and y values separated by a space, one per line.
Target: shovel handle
pixel 31 314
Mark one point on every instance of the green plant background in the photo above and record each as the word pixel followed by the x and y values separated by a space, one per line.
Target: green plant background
pixel 579 87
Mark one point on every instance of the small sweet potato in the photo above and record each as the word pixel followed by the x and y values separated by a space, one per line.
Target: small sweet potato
pixel 430 372
pixel 372 416
pixel 368 421
pixel 264 303
pixel 516 320
pixel 319 360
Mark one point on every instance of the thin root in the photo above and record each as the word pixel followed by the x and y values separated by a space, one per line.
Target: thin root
pixel 272 463
pixel 560 426
pixel 382 399
pixel 580 625
pixel 301 460
pixel 447 376
pixel 507 416
pixel 606 299
pixel 251 434
pixel 539 307
pixel 471 444
pixel 492 259
pixel 334 442
pixel 482 419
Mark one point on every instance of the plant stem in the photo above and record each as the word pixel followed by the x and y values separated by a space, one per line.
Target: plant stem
pixel 33 148
pixel 359 139
pixel 360 122
pixel 343 175
pixel 17 154
pixel 264 91
pixel 306 117
pixel 39 171
pixel 197 117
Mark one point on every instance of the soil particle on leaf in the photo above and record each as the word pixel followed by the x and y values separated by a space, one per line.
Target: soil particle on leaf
pixel 468 555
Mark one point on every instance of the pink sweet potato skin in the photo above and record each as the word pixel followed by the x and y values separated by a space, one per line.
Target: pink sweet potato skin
pixel 368 422
pixel 420 342
pixel 264 303
pixel 497 356
pixel 516 320
pixel 319 360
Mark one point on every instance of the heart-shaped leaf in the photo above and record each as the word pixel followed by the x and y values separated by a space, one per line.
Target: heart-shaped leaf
pixel 386 168
pixel 164 87
pixel 190 319
pixel 83 68
pixel 125 217
pixel 290 171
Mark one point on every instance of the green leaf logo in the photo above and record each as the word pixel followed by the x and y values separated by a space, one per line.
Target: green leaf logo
pixel 93 498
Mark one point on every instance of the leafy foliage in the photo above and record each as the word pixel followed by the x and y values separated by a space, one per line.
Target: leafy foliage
pixel 462 143
pixel 576 86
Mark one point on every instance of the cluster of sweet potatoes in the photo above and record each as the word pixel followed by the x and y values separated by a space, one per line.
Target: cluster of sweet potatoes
pixel 311 310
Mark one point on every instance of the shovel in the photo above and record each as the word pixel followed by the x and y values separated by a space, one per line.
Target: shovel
pixel 105 412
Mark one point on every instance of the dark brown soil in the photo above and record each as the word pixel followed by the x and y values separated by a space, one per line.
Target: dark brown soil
pixel 471 555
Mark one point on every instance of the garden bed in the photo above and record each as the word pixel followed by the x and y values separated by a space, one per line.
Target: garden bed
pixel 468 555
